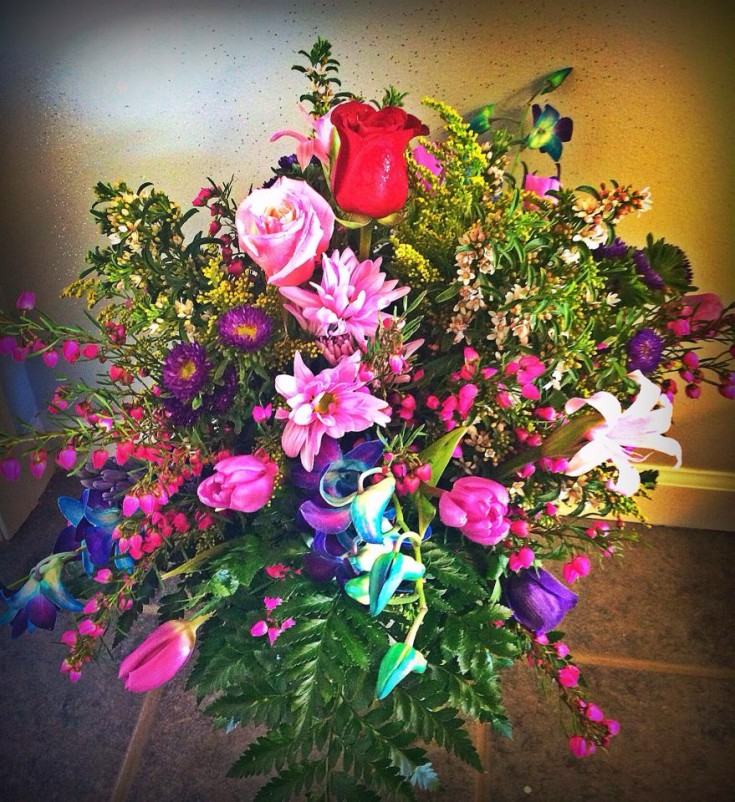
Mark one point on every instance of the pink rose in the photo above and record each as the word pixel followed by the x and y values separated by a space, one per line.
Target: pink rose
pixel 244 483
pixel 285 229
pixel 478 508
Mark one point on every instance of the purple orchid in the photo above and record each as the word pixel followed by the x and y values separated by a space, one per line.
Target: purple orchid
pixel 91 522
pixel 37 602
pixel 549 130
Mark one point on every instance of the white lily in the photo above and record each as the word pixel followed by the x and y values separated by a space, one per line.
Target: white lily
pixel 641 426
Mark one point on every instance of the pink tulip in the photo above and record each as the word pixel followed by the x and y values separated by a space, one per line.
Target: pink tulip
pixel 243 483
pixel 478 508
pixel 160 656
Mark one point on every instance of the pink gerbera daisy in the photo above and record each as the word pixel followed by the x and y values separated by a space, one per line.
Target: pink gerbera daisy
pixel 331 403
pixel 348 301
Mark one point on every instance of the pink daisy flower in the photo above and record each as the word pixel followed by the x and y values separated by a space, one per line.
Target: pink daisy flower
pixel 348 301
pixel 332 403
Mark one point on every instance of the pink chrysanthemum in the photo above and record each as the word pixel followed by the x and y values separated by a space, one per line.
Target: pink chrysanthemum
pixel 331 403
pixel 348 301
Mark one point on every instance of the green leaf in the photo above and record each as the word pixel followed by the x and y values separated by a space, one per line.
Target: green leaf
pixel 440 452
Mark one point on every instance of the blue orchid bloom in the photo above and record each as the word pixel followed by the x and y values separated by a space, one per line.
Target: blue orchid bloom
pixel 549 130
pixel 43 594
pixel 345 502
pixel 92 521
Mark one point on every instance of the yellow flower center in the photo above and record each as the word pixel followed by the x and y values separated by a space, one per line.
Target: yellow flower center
pixel 246 330
pixel 326 404
pixel 187 370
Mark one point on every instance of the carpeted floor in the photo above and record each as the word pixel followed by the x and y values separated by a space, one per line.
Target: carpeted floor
pixel 654 634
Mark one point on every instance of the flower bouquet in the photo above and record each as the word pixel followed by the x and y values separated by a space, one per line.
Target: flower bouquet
pixel 341 436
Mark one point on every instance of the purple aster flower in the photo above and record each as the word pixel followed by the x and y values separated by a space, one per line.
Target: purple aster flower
pixel 221 398
pixel 643 267
pixel 644 351
pixel 180 413
pixel 616 250
pixel 186 370
pixel 245 327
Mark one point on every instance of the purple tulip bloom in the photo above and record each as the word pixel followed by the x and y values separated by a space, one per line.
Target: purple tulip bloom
pixel 538 600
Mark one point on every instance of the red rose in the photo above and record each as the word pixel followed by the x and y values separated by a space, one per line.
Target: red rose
pixel 370 175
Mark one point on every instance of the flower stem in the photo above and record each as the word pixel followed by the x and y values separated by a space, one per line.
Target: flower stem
pixel 366 236
pixel 190 565
pixel 423 607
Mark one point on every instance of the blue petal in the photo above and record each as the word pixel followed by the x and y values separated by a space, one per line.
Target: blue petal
pixel 103 518
pixel 72 509
pixel 340 481
pixel 368 509
pixel 552 147
pixel 399 661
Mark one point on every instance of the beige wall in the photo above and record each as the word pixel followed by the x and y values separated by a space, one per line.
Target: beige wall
pixel 176 91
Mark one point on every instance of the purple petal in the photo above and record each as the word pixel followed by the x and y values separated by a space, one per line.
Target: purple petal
pixel 19 624
pixel 309 480
pixel 539 601
pixel 319 567
pixel 563 129
pixel 97 540
pixel 41 612
pixel 331 545
pixel 326 519
pixel 67 540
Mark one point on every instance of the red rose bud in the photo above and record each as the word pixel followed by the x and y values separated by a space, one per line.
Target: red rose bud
pixel 370 176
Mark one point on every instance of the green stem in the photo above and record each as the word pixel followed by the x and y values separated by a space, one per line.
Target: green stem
pixel 190 565
pixel 506 469
pixel 366 236
pixel 423 607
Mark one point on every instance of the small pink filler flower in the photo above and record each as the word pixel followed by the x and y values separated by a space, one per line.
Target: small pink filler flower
pixel 160 656
pixel 331 403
